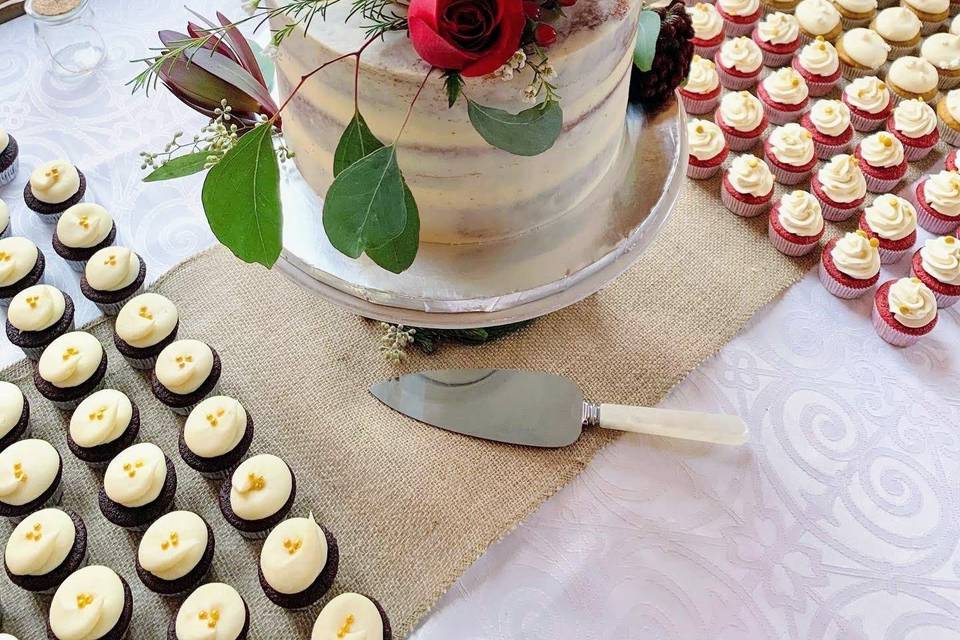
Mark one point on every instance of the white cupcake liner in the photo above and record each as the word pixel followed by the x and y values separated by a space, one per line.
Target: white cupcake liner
pixel 776 60
pixel 852 73
pixel 913 154
pixel 929 28
pixel 702 173
pixel 889 256
pixel 881 185
pixel 734 29
pixel 866 125
pixel 8 174
pixel 113 308
pixel 827 151
pixel 736 143
pixel 742 209
pixel 888 333
pixel 854 23
pixel 786 176
pixel 817 89
pixel 707 52
pixel 254 535
pixel 185 411
pixel 899 52
pixel 949 135
pixel 837 288
pixel 838 214
pixel 781 116
pixel 142 364
pixel 696 107
pixel 943 300
pixel 935 225
pixel 787 247
pixel 948 82
pixel 736 83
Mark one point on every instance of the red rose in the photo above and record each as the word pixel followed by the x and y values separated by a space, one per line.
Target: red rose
pixel 474 37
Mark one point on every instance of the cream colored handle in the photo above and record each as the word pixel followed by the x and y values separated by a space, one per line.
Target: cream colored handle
pixel 688 425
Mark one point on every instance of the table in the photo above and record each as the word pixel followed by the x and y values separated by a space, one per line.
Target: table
pixel 840 518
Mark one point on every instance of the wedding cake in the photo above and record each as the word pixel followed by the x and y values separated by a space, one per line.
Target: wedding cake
pixel 466 190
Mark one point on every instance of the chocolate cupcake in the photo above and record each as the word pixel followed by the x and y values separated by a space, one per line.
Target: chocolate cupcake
pixel 139 486
pixel 352 614
pixel 298 563
pixel 30 478
pixel 258 495
pixel 175 553
pixel 187 371
pixel 216 436
pixel 21 266
pixel 102 426
pixel 70 368
pixel 37 316
pixel 112 276
pixel 94 600
pixel 144 327
pixel 53 188
pixel 9 158
pixel 214 604
pixel 14 415
pixel 82 230
pixel 5 227
pixel 45 548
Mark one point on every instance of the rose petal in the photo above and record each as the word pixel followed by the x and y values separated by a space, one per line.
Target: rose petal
pixel 511 29
pixel 435 50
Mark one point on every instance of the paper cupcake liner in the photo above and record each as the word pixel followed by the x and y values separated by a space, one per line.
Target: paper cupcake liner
pixel 912 153
pixel 142 364
pixel 736 143
pixel 935 225
pixel 185 411
pixel 8 174
pixel 697 107
pixel 898 52
pixel 787 176
pixel 736 83
pixel 929 28
pixel 837 288
pixel 734 29
pixel 221 474
pixel 954 9
pixel 77 265
pixel 33 353
pixel 890 334
pixel 943 300
pixel 787 247
pixel 837 214
pixel 948 82
pixel 886 4
pixel 854 23
pixel 254 535
pixel 818 89
pixel 880 185
pixel 852 73
pixel 113 308
pixel 889 256
pixel 949 135
pixel 7 231
pixel 702 173
pixel 776 60
pixel 782 116
pixel 707 52
pixel 866 125
pixel 70 405
pixel 827 151
pixel 742 209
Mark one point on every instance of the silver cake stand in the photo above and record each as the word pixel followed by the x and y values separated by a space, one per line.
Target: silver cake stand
pixel 511 280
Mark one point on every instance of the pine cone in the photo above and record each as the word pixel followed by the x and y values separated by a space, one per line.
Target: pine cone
pixel 671 64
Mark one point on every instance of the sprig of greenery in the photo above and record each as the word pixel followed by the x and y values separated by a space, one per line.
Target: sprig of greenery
pixel 150 76
pixel 543 77
pixel 380 16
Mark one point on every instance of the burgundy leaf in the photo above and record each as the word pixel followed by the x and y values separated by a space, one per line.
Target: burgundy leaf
pixel 204 88
pixel 242 47
pixel 214 43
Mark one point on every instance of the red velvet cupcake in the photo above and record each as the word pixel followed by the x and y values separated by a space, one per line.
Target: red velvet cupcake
pixel 796 224
pixel 708 30
pixel 701 92
pixel 708 149
pixel 840 188
pixel 914 123
pixel 747 187
pixel 904 311
pixel 882 161
pixel 829 124
pixel 819 65
pixel 739 16
pixel 937 198
pixel 850 265
pixel 937 265
pixel 789 152
pixel 869 102
pixel 893 222
pixel 742 120
pixel 778 36
pixel 739 64
pixel 784 96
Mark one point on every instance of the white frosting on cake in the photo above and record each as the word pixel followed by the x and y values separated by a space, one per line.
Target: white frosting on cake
pixel 54 182
pixel 842 180
pixel 18 256
pixel 856 255
pixel 955 25
pixel 40 543
pixel 891 217
pixel 942 192
pixel 800 213
pixel 830 117
pixel 912 303
pixel 27 469
pixel 707 23
pixel 858 6
pixel 778 28
pixel 184 365
pixel 293 555
pixel 932 7
pixel 882 150
pixel 4 139
pixel 214 611
pixel 741 54
pixel 112 269
pixel 817 17
pixel 348 616
pixel 173 545
pixel 260 486
pixel 791 144
pixel 913 74
pixel 942 50
pixel 868 94
pixel 741 110
pixel 4 215
pixel 898 24
pixel 36 308
pixel 465 189
pixel 11 406
pixel 146 319
pixel 215 426
pixel 136 475
pixel 786 86
pixel 102 417
pixel 70 360
pixel 84 225
pixel 750 176
pixel 914 118
pixel 705 139
pixel 953 103
pixel 739 7
pixel 88 604
pixel 703 76
pixel 940 257
pixel 820 57
pixel 865 47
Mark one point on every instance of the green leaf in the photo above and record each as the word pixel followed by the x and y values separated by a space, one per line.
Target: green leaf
pixel 454 84
pixel 645 48
pixel 365 206
pixel 241 197
pixel 179 167
pixel 528 133
pixel 398 254
pixel 356 142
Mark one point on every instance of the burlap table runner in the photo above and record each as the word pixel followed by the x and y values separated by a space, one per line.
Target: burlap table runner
pixel 412 506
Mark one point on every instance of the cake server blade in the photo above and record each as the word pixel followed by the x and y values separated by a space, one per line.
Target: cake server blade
pixel 536 409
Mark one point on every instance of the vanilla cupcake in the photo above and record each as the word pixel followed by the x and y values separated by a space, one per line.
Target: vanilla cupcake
pixel 789 153
pixel 739 16
pixel 932 13
pixel 818 18
pixel 911 78
pixel 82 230
pixel 829 124
pixel 870 103
pixel 53 188
pixel 21 266
pixel 914 123
pixel 742 120
pixel 942 50
pixel 840 187
pixel 708 149
pixel 701 92
pixel 707 29
pixel 819 65
pixel 784 95
pixel 955 24
pixel 786 6
pixel 900 28
pixel 747 187
pixel 856 13
pixel 862 52
pixel 739 63
pixel 778 36
pixel 948 108
pixel 892 220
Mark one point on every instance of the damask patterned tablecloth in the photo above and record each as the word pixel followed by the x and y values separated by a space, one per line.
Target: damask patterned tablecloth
pixel 839 520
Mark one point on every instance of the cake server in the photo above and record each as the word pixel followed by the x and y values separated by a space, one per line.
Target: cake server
pixel 536 409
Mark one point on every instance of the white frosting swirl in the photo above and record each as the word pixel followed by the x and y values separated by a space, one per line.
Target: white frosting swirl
pixel 27 469
pixel 40 543
pixel 293 555
pixel 942 50
pixel 817 17
pixel 18 257
pixel 215 426
pixel 739 7
pixel 842 179
pixel 955 25
pixel 707 23
pixel 11 407
pixel 891 217
pixel 353 613
pixel 868 94
pixel 36 308
pixel 882 150
pixel 750 175
pixel 913 74
pixel 214 611
pixel 778 28
pixel 897 24
pixel 865 47
pixel 102 417
pixel 933 7
pixel 792 144
pixel 70 360
pixel 184 365
pixel 145 320
pixel 820 58
pixel 54 182
pixel 940 257
pixel 856 255
pixel 87 604
pixel 953 105
pixel 942 192
pixel 4 215
pixel 260 486
pixel 786 86
pixel 741 54
pixel 830 117
pixel 136 475
pixel 800 214
pixel 84 225
pixel 858 6
pixel 4 139
pixel 914 118
pixel 703 76
pixel 912 303
pixel 173 545
pixel 112 269
pixel 741 110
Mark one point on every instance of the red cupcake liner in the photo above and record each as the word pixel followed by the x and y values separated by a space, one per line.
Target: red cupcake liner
pixel 836 287
pixel 741 208
pixel 786 246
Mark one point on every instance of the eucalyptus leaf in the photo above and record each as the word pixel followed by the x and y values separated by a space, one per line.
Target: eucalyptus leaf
pixel 356 142
pixel 241 197
pixel 398 254
pixel 179 167
pixel 528 133
pixel 453 82
pixel 645 48
pixel 365 207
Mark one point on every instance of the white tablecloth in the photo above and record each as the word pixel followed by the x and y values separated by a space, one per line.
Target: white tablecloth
pixel 840 518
